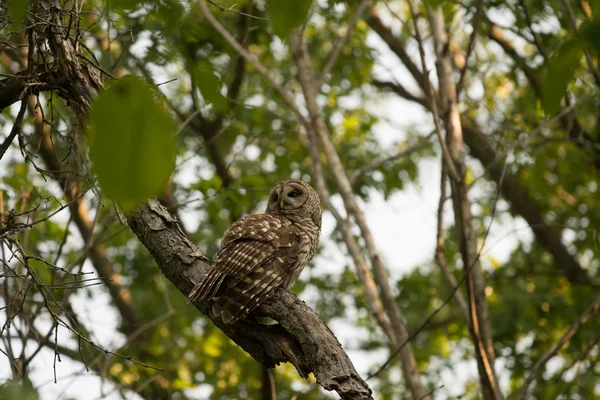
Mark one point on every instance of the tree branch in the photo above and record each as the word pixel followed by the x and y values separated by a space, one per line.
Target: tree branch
pixel 319 129
pixel 511 189
pixel 301 338
pixel 467 239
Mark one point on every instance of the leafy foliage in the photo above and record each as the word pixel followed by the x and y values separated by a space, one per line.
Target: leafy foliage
pixel 533 97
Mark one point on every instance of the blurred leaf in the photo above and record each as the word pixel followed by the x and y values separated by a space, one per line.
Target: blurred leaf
pixel 127 4
pixel 287 15
pixel 131 141
pixel 560 71
pixel 210 87
pixel 15 390
pixel 17 9
pixel 590 31
pixel 434 3
pixel 595 6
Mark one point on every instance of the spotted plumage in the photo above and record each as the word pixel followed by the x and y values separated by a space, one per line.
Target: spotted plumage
pixel 262 252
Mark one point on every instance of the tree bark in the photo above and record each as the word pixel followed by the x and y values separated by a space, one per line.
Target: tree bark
pixel 481 330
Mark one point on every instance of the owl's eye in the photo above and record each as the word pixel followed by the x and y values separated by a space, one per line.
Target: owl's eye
pixel 275 197
pixel 293 194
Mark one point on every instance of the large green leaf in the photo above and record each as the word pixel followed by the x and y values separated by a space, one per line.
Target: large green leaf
pixel 132 143
pixel 287 15
pixel 560 71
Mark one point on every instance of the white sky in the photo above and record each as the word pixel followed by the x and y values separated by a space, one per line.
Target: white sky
pixel 404 228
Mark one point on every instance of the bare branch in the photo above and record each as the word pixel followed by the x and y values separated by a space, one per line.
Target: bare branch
pixel 428 88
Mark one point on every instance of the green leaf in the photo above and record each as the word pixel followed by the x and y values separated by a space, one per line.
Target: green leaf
pixel 560 71
pixel 434 3
pixel 590 31
pixel 287 15
pixel 17 9
pixel 15 390
pixel 595 6
pixel 210 87
pixel 131 142
pixel 127 4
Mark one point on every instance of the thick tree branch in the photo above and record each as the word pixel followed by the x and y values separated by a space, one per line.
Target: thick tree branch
pixel 521 203
pixel 307 82
pixel 395 44
pixel 401 91
pixel 467 239
pixel 301 338
pixel 568 118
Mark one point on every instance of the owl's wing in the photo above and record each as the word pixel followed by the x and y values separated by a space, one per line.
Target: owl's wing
pixel 250 242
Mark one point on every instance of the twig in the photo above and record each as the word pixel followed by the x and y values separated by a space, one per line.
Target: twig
pixel 428 89
pixel 403 153
pixel 287 98
pixel 588 57
pixel 439 248
pixel 16 129
pixel 231 9
pixel 471 46
pixel 341 42
pixel 537 368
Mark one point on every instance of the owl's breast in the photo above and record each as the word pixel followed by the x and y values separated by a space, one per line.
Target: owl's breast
pixel 303 253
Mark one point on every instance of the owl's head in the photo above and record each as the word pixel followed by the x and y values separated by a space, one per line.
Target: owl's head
pixel 295 197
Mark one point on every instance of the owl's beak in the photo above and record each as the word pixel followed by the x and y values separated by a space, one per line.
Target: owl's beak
pixel 281 204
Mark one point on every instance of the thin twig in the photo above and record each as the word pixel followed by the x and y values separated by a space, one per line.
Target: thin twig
pixel 16 129
pixel 341 42
pixel 403 153
pixel 471 46
pixel 231 9
pixel 428 89
pixel 287 98
pixel 537 368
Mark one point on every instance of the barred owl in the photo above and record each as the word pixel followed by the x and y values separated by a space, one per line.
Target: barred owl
pixel 262 252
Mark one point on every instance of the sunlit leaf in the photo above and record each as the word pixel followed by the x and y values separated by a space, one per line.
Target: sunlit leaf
pixel 560 71
pixel 131 140
pixel 287 15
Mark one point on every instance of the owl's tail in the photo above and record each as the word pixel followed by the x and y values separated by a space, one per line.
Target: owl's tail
pixel 207 286
pixel 247 294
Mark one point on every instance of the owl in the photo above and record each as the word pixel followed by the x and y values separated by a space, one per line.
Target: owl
pixel 262 252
